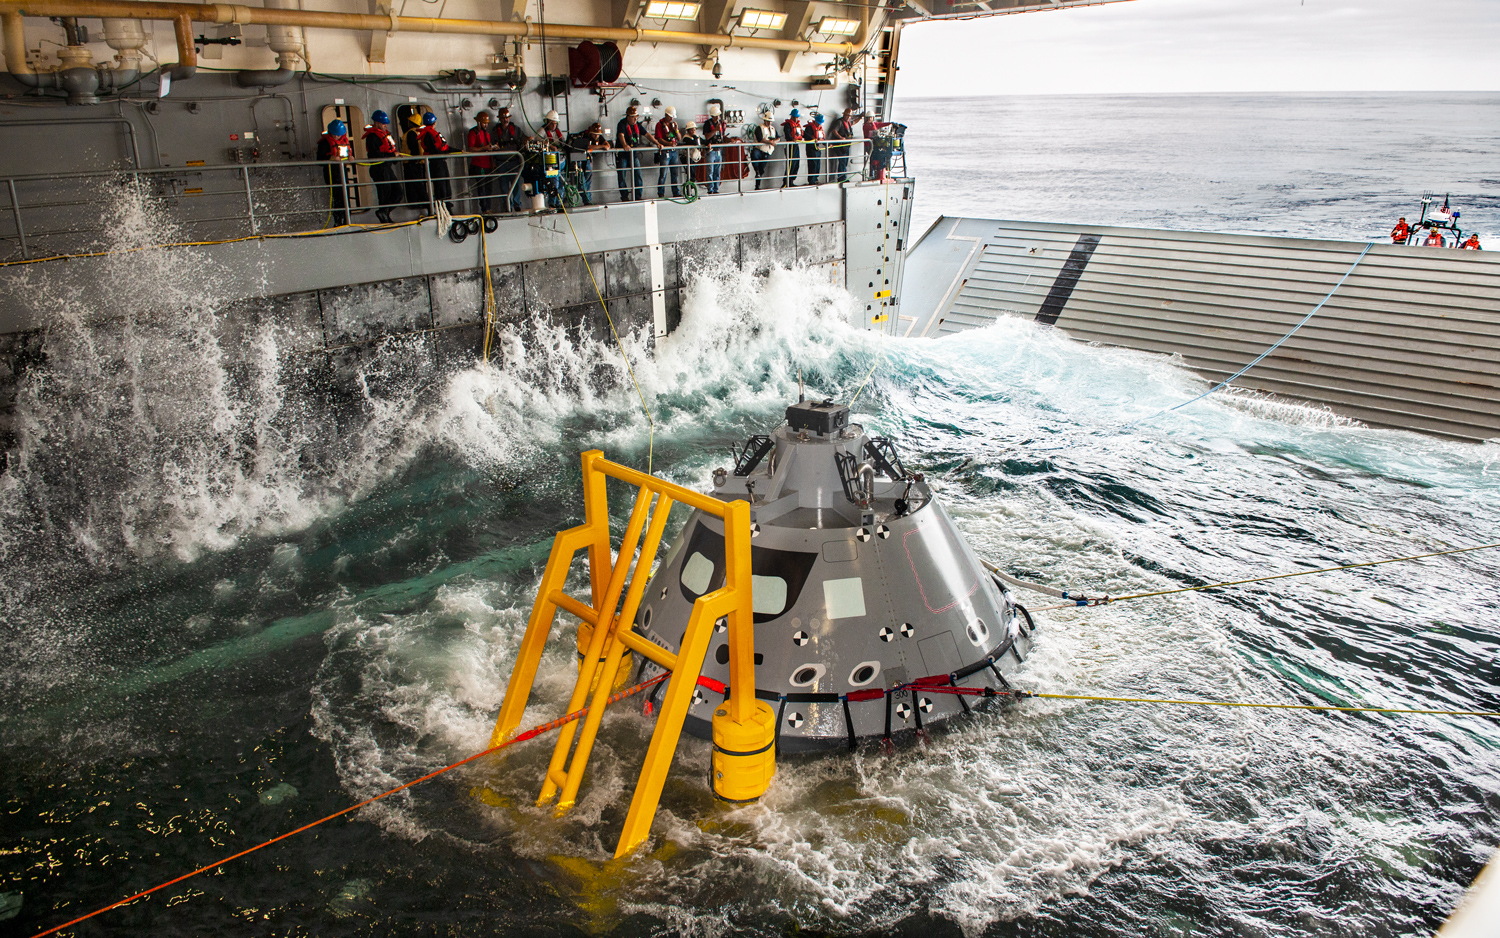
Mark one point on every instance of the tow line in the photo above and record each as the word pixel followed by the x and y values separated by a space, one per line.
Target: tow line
pixel 518 738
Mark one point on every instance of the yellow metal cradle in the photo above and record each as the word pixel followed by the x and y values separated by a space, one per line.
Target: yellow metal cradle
pixel 611 640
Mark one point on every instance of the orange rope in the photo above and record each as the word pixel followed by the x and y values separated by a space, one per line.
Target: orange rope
pixel 529 734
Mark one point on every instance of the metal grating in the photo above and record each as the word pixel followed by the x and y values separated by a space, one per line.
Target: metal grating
pixel 1411 340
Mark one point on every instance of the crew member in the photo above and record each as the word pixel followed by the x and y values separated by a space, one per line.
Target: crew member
pixel 669 136
pixel 481 140
pixel 380 144
pixel 433 144
pixel 791 132
pixel 812 134
pixel 762 154
pixel 334 146
pixel 1434 239
pixel 508 166
pixel 842 129
pixel 553 142
pixel 715 134
pixel 1401 232
pixel 1472 244
pixel 868 130
pixel 692 153
pixel 588 143
pixel 631 137
pixel 414 170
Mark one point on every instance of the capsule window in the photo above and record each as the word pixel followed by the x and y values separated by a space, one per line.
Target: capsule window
pixel 864 673
pixel 807 675
pixel 768 595
pixel 697 573
pixel 845 598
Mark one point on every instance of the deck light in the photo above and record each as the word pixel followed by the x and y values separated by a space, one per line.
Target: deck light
pixel 762 19
pixel 835 26
pixel 672 10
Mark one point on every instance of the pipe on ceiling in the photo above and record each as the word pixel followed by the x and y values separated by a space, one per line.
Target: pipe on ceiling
pixel 225 13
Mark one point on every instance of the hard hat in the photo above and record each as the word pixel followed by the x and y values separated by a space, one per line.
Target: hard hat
pixel 428 119
pixel 714 110
pixel 337 128
pixel 380 117
pixel 483 114
pixel 671 111
pixel 690 126
pixel 550 115
pixel 818 118
pixel 415 117
pixel 795 113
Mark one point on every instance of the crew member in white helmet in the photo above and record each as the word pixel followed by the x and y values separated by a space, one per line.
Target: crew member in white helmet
pixel 763 153
pixel 715 134
pixel 670 137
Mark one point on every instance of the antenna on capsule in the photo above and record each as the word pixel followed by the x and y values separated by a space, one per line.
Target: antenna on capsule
pixel 801 394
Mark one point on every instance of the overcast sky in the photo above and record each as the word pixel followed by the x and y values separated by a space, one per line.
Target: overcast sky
pixel 1210 45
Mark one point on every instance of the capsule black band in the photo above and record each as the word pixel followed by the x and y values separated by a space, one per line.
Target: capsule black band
pixel 753 752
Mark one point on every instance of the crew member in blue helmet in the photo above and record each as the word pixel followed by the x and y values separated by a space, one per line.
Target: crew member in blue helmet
pixel 381 146
pixel 334 147
pixel 433 144
pixel 812 135
pixel 791 132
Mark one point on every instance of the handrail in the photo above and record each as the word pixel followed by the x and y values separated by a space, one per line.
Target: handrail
pixel 605 645
pixel 54 215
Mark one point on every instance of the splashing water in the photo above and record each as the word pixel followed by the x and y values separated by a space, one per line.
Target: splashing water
pixel 203 542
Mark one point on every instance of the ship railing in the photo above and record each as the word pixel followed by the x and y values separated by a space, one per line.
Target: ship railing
pixel 606 640
pixel 50 214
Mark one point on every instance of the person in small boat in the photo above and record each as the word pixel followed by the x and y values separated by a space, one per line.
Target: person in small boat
pixel 1434 239
pixel 1401 232
pixel 1472 244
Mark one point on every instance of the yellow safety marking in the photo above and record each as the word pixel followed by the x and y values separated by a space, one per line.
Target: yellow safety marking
pixel 882 294
pixel 192 192
pixel 879 319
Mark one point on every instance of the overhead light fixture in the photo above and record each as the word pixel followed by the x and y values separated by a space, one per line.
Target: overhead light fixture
pixel 834 26
pixel 672 10
pixel 761 19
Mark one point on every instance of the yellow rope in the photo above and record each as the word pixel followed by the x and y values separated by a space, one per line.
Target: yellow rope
pixel 1262 579
pixel 1273 706
pixel 650 422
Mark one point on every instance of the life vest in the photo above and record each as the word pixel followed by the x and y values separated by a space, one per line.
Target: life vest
pixel 338 147
pixel 1472 244
pixel 1400 232
pixel 432 141
pixel 1434 239
pixel 667 132
pixel 792 128
pixel 379 142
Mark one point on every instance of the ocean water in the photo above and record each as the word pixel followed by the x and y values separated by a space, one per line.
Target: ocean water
pixel 240 595
pixel 1341 166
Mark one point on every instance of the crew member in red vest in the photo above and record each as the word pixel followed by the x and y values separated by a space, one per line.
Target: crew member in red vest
pixel 335 147
pixel 791 132
pixel 838 153
pixel 1401 232
pixel 433 144
pixel 481 140
pixel 1472 244
pixel 379 144
pixel 1434 239
pixel 669 136
pixel 812 135
pixel 715 134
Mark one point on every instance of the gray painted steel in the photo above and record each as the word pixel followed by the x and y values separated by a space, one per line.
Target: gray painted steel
pixel 1411 340
pixel 850 595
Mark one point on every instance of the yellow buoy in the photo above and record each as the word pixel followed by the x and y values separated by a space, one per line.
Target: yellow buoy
pixel 744 753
